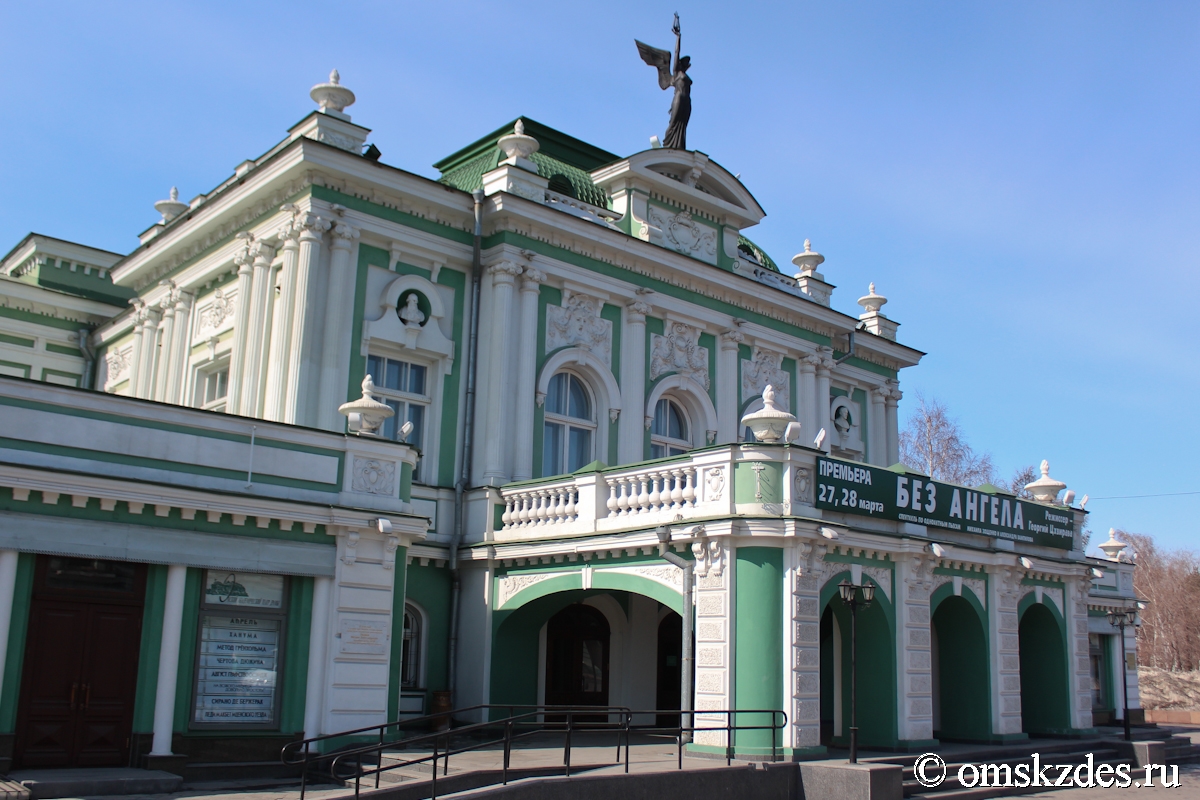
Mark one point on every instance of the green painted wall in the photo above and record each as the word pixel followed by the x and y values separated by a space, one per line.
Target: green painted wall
pixel 429 587
pixel 397 649
pixel 963 671
pixel 151 646
pixel 10 686
pixel 1045 696
pixel 747 484
pixel 294 675
pixel 758 642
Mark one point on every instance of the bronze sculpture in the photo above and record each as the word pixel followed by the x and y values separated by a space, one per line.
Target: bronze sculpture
pixel 681 104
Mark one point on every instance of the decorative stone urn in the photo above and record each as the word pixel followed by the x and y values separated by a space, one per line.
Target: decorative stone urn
pixel 171 208
pixel 1112 548
pixel 517 145
pixel 808 261
pixel 366 415
pixel 332 97
pixel 1045 489
pixel 770 424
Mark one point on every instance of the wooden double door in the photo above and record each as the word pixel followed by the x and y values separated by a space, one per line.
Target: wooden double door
pixel 81 659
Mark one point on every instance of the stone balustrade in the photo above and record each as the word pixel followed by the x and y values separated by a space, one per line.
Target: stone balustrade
pixel 712 482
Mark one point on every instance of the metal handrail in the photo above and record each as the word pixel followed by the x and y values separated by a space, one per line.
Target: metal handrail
pixel 511 732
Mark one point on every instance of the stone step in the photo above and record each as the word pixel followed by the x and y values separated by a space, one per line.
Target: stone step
pixel 50 783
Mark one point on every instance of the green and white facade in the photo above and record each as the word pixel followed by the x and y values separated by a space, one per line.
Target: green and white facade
pixel 177 409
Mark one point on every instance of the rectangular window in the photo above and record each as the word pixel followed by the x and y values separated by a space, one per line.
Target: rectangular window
pixel 240 654
pixel 402 385
pixel 212 387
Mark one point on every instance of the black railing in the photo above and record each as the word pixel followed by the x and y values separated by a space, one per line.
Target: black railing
pixel 365 759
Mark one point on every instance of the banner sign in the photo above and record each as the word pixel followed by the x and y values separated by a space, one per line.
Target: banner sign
pixel 853 488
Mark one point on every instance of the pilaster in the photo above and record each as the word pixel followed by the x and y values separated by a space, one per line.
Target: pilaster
pixel 135 356
pixel 823 367
pixel 303 350
pixel 630 432
pixel 177 363
pixel 495 399
pixel 280 347
pixel 335 338
pixel 915 649
pixel 1005 646
pixel 807 400
pixel 805 663
pixel 256 333
pixel 727 386
pixel 891 404
pixel 167 327
pixel 714 638
pixel 241 317
pixel 879 434
pixel 1079 653
pixel 531 281
pixel 145 387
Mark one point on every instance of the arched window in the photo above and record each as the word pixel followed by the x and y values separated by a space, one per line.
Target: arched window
pixel 570 425
pixel 410 658
pixel 669 433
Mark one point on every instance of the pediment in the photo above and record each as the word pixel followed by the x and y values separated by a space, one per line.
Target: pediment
pixel 687 178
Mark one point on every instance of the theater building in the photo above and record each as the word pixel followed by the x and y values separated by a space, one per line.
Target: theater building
pixel 208 550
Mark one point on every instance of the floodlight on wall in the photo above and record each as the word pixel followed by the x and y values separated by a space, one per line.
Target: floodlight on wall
pixel 1025 562
pixel 384 525
pixel 827 532
pixel 1097 573
pixel 937 549
pixel 372 153
pixel 1083 502
pixel 1069 497
pixel 820 440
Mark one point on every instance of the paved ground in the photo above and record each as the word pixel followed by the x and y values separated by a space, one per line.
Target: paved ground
pixel 653 756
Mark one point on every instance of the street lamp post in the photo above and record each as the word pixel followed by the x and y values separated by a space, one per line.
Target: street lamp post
pixel 1119 620
pixel 849 594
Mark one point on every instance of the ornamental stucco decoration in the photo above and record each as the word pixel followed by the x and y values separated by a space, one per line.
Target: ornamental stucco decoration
pixel 118 362
pixel 220 309
pixel 802 485
pixel 679 351
pixel 765 369
pixel 714 479
pixel 846 435
pixel 684 235
pixel 577 323
pixel 508 586
pixel 372 476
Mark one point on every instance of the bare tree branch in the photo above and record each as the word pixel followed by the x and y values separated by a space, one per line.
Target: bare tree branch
pixel 933 442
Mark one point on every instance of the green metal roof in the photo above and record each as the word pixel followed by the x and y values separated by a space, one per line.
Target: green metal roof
pixel 756 253
pixel 560 158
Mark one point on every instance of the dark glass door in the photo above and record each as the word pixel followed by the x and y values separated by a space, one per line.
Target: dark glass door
pixel 670 670
pixel 80 671
pixel 577 657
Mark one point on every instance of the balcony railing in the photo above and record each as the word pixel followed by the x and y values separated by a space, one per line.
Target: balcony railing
pixel 715 481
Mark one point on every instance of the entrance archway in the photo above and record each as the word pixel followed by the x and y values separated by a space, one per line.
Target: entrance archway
pixel 961 694
pixel 577 657
pixel 876 670
pixel 1045 702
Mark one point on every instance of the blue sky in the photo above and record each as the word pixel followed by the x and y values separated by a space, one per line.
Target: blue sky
pixel 1021 180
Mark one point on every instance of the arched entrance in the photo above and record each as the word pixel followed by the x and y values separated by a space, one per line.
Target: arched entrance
pixel 1044 694
pixel 876 670
pixel 961 694
pixel 577 656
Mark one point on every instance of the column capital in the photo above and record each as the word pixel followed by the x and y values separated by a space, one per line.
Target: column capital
pixel 531 278
pixel 344 235
pixel 262 252
pixel 504 272
pixel 637 310
pixel 731 338
pixel 310 227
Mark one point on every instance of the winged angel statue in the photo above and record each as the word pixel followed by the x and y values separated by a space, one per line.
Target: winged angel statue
pixel 681 104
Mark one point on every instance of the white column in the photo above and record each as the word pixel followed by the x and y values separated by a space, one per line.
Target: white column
pixel 252 377
pixel 168 345
pixel 8 585
pixel 631 436
pixel 496 393
pixel 878 427
pixel 914 648
pixel 893 424
pixel 728 418
pixel 318 646
pixel 145 387
pixel 526 374
pixel 135 357
pixel 822 409
pixel 177 361
pixel 168 661
pixel 303 351
pixel 336 336
pixel 804 612
pixel 807 380
pixel 279 351
pixel 241 316
pixel 1075 595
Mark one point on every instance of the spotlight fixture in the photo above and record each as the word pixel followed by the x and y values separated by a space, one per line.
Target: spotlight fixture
pixel 937 549
pixel 1025 562
pixel 372 153
pixel 1097 573
pixel 828 533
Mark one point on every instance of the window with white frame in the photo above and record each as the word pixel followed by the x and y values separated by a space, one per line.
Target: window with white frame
pixel 669 431
pixel 404 386
pixel 212 387
pixel 410 658
pixel 570 425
